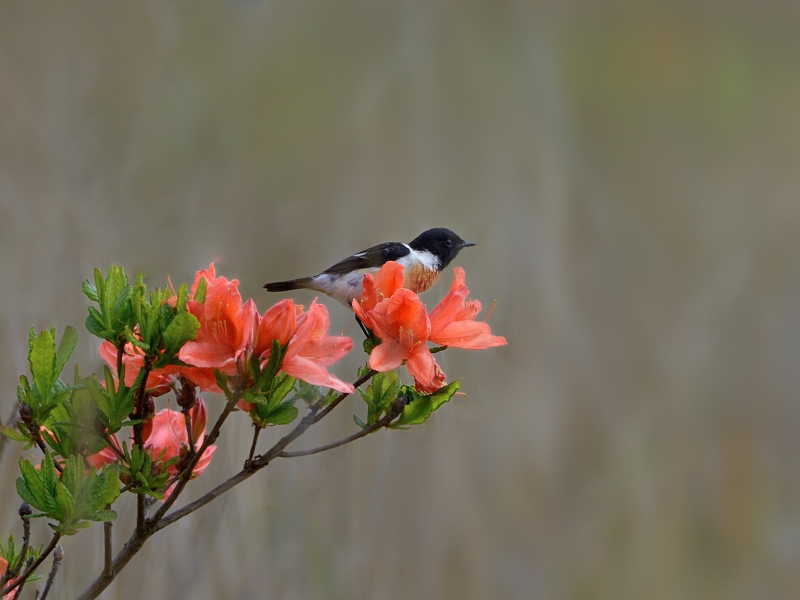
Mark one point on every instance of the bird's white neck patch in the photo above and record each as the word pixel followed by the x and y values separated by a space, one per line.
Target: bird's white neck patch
pixel 427 259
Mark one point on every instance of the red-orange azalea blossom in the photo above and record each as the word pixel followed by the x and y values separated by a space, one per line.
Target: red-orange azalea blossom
pixel 169 436
pixel 401 321
pixel 226 330
pixel 166 432
pixel 453 320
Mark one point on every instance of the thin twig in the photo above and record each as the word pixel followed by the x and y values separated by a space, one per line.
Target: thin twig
pixel 397 408
pixel 24 513
pixel 58 554
pixel 107 546
pixel 30 569
pixel 249 460
pixel 262 461
pixel 160 520
pixel 23 580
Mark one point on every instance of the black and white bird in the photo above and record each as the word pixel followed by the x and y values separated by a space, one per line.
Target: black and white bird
pixel 424 257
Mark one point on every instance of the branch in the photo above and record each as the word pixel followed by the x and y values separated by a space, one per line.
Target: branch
pixel 261 461
pixel 187 472
pixel 383 422
pixel 107 547
pixel 30 569
pixel 58 554
pixel 249 460
pixel 159 521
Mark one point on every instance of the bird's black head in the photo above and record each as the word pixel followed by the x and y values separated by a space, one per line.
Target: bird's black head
pixel 441 242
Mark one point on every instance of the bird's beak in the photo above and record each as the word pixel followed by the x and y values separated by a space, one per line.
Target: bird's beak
pixel 466 244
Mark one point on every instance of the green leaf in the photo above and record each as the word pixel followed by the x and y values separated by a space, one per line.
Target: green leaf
pixel 68 342
pixel 183 328
pixel 31 488
pixel 200 293
pixel 359 422
pixel 89 290
pixel 283 414
pixel 42 357
pixel 183 298
pixel 421 406
pixel 103 515
pixel 94 323
pixel 13 434
pixel 283 385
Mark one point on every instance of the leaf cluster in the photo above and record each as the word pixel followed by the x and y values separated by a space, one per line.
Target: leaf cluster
pixel 128 313
pixel 385 388
pixel 15 558
pixel 269 390
pixel 148 476
pixel 72 499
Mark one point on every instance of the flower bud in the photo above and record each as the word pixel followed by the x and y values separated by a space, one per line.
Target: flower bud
pixel 25 413
pixel 149 408
pixel 186 397
pixel 24 510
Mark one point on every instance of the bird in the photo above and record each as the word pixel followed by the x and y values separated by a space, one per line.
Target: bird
pixel 424 257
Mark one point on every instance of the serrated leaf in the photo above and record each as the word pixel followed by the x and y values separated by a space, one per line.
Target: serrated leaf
pixel 31 488
pixel 183 298
pixel 183 328
pixel 65 504
pixel 13 434
pixel 200 292
pixel 94 323
pixel 89 290
pixel 285 384
pixel 47 473
pixel 42 358
pixel 283 414
pixel 421 406
pixel 69 340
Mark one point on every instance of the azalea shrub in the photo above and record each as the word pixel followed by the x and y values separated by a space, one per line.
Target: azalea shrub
pixel 96 438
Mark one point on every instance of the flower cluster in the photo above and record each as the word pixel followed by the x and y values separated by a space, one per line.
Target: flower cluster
pixel 401 321
pixel 231 332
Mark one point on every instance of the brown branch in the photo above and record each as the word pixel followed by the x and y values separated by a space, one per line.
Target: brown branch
pixel 160 520
pixel 107 546
pixel 262 461
pixel 249 460
pixel 58 555
pixel 30 569
pixel 23 580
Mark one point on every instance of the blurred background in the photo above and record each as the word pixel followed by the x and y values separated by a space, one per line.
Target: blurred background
pixel 630 172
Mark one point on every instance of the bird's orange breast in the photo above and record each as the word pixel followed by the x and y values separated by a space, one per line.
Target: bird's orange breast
pixel 418 278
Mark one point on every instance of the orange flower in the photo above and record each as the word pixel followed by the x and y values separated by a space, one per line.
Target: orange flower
pixel 278 323
pixel 453 320
pixel 311 350
pixel 158 381
pixel 226 330
pixel 382 285
pixel 397 316
pixel 402 324
pixel 169 436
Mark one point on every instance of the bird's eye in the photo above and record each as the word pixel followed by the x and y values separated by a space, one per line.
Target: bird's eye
pixel 448 243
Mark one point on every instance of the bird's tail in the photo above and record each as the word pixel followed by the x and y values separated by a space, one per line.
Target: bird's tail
pixel 285 286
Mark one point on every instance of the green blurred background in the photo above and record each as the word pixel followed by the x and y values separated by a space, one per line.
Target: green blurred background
pixel 631 174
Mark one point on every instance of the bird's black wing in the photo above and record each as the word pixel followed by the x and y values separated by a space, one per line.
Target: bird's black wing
pixel 369 258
